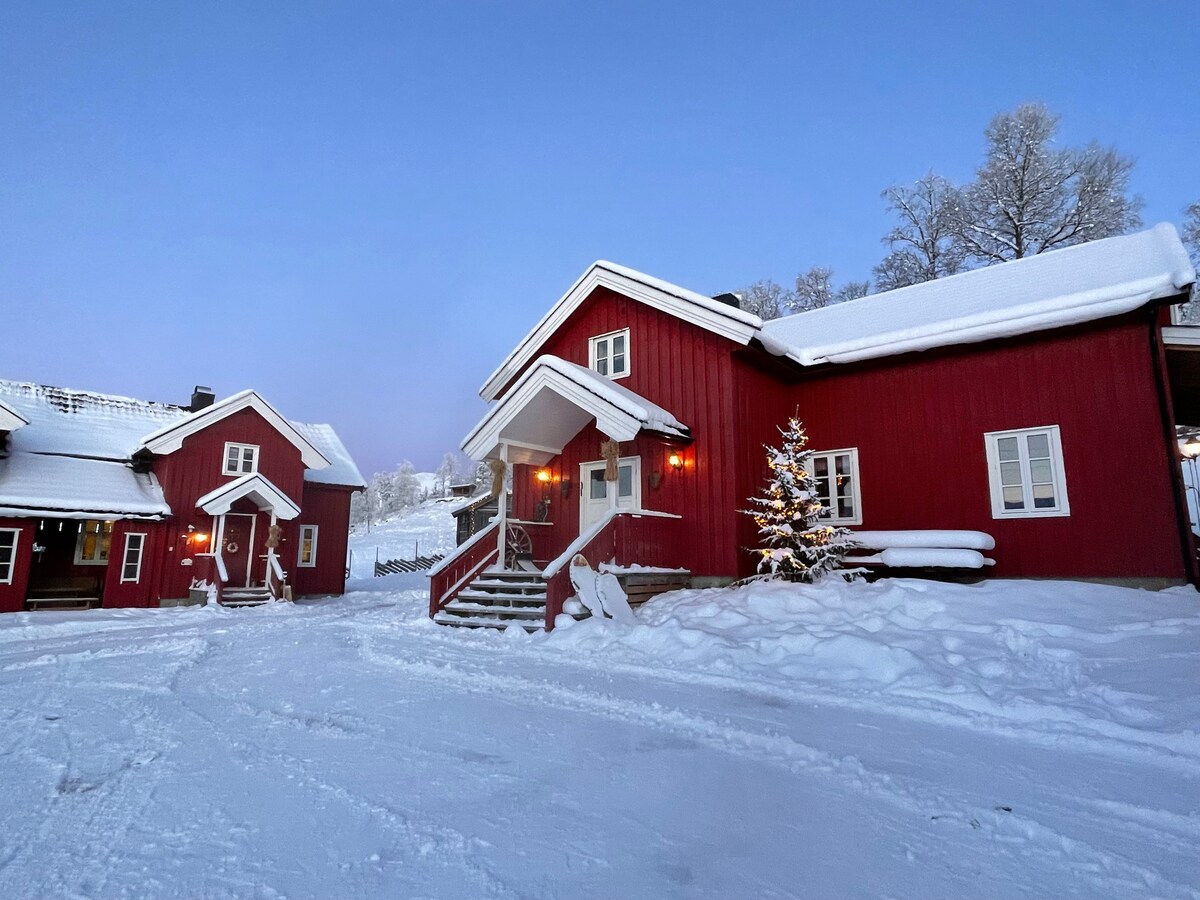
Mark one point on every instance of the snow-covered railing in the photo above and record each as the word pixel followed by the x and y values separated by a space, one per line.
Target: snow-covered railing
pixel 932 549
pixel 457 569
pixel 276 577
pixel 212 570
pixel 621 537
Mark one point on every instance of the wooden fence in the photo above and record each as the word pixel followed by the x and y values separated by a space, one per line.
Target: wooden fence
pixel 396 566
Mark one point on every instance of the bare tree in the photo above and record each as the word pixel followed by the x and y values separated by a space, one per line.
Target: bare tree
pixel 765 299
pixel 814 290
pixel 1029 197
pixel 923 245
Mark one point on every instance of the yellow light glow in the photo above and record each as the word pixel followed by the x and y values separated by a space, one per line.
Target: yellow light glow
pixel 675 461
pixel 543 475
pixel 200 538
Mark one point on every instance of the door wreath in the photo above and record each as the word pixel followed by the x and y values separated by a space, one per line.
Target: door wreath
pixel 231 546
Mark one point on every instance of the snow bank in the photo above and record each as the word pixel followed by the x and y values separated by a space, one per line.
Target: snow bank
pixel 1113 660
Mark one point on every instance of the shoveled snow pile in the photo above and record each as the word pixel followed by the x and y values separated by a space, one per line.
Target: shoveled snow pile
pixel 1059 657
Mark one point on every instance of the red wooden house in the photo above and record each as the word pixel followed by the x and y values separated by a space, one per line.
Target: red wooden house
pixel 1037 401
pixel 117 502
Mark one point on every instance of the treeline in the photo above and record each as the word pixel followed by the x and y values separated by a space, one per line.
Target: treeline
pixel 390 493
pixel 1029 195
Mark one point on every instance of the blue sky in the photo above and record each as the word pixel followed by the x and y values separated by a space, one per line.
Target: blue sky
pixel 358 209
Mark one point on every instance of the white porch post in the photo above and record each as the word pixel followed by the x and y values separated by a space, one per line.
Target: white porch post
pixel 502 507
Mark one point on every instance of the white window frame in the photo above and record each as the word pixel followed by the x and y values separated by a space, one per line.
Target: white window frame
pixel 594 355
pixel 80 560
pixel 141 555
pixel 241 449
pixel 1057 473
pixel 7 577
pixel 855 486
pixel 311 564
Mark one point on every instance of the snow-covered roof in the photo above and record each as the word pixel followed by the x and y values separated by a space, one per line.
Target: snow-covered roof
pixel 10 419
pixel 341 469
pixel 70 487
pixel 72 450
pixel 553 401
pixel 1064 287
pixel 705 312
pixel 253 486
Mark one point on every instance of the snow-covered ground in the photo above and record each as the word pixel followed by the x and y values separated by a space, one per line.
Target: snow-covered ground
pixel 424 530
pixel 904 739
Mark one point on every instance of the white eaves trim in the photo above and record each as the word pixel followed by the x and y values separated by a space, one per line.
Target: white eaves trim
pixel 255 487
pixel 618 411
pixel 170 438
pixel 10 419
pixel 713 315
pixel 1181 335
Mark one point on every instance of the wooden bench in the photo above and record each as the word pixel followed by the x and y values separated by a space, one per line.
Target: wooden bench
pixel 641 583
pixel 69 592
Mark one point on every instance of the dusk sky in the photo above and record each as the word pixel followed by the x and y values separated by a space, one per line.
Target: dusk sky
pixel 359 209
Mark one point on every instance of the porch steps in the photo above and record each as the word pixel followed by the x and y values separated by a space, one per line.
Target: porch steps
pixel 245 596
pixel 498 599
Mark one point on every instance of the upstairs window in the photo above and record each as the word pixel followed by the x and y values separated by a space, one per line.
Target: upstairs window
pixel 307 557
pixel 240 459
pixel 836 472
pixel 608 354
pixel 93 544
pixel 1025 473
pixel 8 554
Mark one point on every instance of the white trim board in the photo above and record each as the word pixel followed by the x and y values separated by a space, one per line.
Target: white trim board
pixel 255 486
pixel 704 312
pixel 169 439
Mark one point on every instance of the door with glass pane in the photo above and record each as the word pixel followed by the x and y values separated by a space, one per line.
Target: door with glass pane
pixel 599 495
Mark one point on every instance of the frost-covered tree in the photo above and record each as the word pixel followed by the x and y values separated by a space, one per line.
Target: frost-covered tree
pixel 923 245
pixel 814 290
pixel 1191 230
pixel 1030 196
pixel 766 299
pixel 446 473
pixel 796 546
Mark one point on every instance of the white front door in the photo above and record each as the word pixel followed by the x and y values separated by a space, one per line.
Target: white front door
pixel 599 495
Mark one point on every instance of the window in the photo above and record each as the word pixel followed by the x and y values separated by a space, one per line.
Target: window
pixel 308 546
pixel 93 543
pixel 240 459
pixel 131 565
pixel 8 554
pixel 1025 471
pixel 836 472
pixel 608 354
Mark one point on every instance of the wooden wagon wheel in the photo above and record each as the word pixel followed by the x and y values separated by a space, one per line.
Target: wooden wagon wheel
pixel 517 542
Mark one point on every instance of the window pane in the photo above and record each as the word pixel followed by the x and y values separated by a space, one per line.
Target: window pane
pixel 618 364
pixel 1007 448
pixel 601 350
pixel 823 490
pixel 598 489
pixel 618 344
pixel 1013 498
pixel 1039 445
pixel 820 466
pixel 844 487
pixel 1043 496
pixel 1039 469
pixel 842 461
pixel 846 508
pixel 231 460
pixel 602 365
pixel 1010 473
pixel 625 481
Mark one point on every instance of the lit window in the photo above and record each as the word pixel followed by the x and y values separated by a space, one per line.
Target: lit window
pixel 308 546
pixel 131 564
pixel 240 459
pixel 836 472
pixel 8 554
pixel 93 543
pixel 608 354
pixel 1025 472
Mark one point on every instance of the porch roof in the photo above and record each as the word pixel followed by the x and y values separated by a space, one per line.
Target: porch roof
pixel 552 402
pixel 68 487
pixel 253 487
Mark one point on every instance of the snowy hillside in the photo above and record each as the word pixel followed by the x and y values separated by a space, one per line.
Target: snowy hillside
pixel 422 530
pixel 905 739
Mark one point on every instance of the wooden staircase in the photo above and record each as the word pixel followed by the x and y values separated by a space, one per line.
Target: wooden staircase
pixel 245 596
pixel 498 599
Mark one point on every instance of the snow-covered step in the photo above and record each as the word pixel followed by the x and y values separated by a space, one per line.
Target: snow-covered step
pixel 485 622
pixel 515 599
pixel 496 583
pixel 503 612
pixel 249 596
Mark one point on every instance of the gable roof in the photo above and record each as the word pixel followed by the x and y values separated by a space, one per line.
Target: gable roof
pixel 704 312
pixel 341 469
pixel 1051 290
pixel 170 438
pixel 255 487
pixel 553 401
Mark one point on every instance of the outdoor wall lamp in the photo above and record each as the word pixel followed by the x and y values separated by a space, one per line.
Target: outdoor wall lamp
pixel 543 475
pixel 675 461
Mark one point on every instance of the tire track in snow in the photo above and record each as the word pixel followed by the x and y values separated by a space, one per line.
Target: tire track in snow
pixel 1004 828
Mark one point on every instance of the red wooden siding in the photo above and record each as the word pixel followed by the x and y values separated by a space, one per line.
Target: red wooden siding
pixel 12 596
pixel 328 508
pixel 919 421
pixel 689 372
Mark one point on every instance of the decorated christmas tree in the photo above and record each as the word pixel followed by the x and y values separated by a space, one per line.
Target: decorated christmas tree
pixel 796 546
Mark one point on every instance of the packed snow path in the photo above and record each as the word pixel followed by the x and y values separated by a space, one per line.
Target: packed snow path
pixel 352 748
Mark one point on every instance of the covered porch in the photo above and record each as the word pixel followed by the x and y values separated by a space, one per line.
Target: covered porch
pixel 579 454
